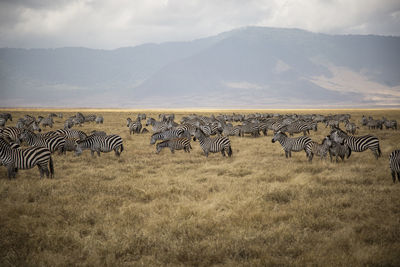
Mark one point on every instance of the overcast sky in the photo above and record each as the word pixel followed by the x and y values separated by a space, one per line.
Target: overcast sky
pixel 109 24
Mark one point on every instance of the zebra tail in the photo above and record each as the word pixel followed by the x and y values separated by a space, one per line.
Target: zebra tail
pixel 51 166
pixel 230 151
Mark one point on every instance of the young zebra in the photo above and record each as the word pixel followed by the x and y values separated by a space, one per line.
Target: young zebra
pixel 52 143
pixel 293 144
pixel 168 135
pixel 100 144
pixel 394 163
pixel 214 144
pixel 175 144
pixel 27 158
pixel 320 150
pixel 357 143
pixel 338 150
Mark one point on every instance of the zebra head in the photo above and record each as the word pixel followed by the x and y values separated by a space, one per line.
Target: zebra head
pixel 80 145
pixel 128 121
pixel 278 136
pixel 198 134
pixel 338 135
pixel 150 121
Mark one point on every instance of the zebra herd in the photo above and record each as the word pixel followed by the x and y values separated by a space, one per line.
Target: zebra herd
pixel 212 132
pixel 41 146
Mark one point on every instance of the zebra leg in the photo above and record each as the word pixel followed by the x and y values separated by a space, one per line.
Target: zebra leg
pixel 116 152
pixel 223 152
pixel 398 176
pixel 92 152
pixel 394 176
pixel 286 154
pixel 172 150
pixel 10 171
pixel 98 152
pixel 41 171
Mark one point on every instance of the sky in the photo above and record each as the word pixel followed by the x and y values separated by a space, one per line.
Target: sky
pixel 110 24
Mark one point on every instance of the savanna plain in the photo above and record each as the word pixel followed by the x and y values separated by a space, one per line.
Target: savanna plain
pixel 256 208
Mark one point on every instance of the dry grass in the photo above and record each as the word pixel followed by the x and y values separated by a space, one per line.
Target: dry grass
pixel 256 208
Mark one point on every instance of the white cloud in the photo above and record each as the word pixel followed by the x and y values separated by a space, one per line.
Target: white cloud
pixel 116 23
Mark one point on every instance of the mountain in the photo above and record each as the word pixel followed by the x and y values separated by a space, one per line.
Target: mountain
pixel 252 67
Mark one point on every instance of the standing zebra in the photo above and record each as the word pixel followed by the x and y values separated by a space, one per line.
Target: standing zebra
pixel 26 158
pixel 320 150
pixel 100 144
pixel 134 126
pixel 357 143
pixel 67 133
pixel 175 144
pixel 157 126
pixel 394 163
pixel 293 144
pixel 167 135
pixel 214 144
pixel 52 143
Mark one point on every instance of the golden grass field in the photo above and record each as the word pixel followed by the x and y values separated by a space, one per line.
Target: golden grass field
pixel 256 208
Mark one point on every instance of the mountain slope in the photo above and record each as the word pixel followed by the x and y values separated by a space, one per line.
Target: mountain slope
pixel 249 67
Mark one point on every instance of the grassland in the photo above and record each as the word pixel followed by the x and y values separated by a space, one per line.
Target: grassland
pixel 256 208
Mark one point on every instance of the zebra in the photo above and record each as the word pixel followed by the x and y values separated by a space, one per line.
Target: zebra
pixel 48 121
pixel 26 158
pixel 293 144
pixel 2 122
pixel 231 131
pixel 99 119
pixel 52 143
pixel 167 135
pixel 134 126
pixel 213 144
pixel 357 143
pixel 320 150
pixel 390 124
pixel 251 128
pixel 6 116
pixel 350 127
pixel 90 118
pixel 70 144
pixel 99 133
pixel 100 144
pixel 394 164
pixel 12 133
pixel 338 150
pixel 296 127
pixel 157 126
pixel 175 144
pixel 69 123
pixel 142 116
pixel 71 134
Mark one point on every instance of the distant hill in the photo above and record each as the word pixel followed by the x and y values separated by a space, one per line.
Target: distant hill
pixel 253 67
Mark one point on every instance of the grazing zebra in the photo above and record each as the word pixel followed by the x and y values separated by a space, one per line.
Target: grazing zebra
pixel 99 133
pixel 6 116
pixel 213 144
pixel 100 144
pixel 99 119
pixel 357 143
pixel 293 144
pixel 338 150
pixel 394 163
pixel 250 128
pixel 296 127
pixel 320 150
pixel 52 143
pixel 168 135
pixel 90 118
pixel 175 144
pixel 157 126
pixel 47 122
pixel 134 126
pixel 71 134
pixel 26 158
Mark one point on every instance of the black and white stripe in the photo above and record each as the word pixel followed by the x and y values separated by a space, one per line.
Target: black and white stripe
pixel 12 133
pixel 293 144
pixel 101 144
pixel 213 144
pixel 168 135
pixel 27 158
pixel 394 164
pixel 357 143
pixel 134 126
pixel 67 133
pixel 157 126
pixel 52 143
pixel 175 144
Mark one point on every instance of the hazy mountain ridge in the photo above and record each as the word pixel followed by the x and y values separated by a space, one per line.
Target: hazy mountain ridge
pixel 248 67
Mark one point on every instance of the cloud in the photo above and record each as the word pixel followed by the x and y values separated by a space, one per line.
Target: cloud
pixel 117 23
